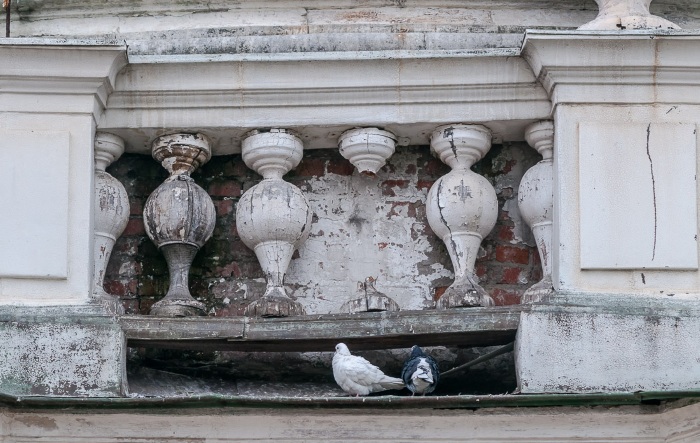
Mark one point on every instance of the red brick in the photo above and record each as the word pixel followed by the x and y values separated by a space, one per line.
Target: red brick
pixel 136 207
pixel 121 289
pixel 436 168
pixel 145 305
pixel 411 169
pixel 340 167
pixel 134 227
pixel 223 207
pixel 389 185
pixel 131 306
pixel 424 184
pixel 439 290
pixel 512 254
pixel 505 233
pixel 511 276
pixel 410 211
pixel 311 167
pixel 505 297
pixel 228 188
pixel 481 270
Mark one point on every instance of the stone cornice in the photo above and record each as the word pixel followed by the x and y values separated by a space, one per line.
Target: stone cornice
pixel 58 76
pixel 323 94
pixel 609 67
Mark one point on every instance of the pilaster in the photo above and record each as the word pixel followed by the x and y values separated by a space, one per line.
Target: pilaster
pixel 626 109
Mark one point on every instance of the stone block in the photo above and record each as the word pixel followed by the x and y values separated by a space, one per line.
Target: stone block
pixel 66 351
pixel 619 344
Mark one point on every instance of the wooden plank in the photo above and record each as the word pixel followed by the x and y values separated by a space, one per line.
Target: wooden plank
pixel 146 328
pixel 372 330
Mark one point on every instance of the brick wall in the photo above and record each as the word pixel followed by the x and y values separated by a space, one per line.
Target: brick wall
pixel 361 227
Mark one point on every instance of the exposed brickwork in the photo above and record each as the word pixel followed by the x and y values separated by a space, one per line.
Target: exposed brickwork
pixel 348 208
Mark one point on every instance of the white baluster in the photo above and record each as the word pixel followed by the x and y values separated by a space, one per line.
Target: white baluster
pixel 273 218
pixel 179 217
pixel 367 148
pixel 462 209
pixel 535 200
pixel 111 212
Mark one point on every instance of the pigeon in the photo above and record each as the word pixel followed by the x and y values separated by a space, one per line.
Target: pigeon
pixel 420 372
pixel 357 376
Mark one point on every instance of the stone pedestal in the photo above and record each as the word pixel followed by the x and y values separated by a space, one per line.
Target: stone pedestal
pixel 64 351
pixel 179 217
pixel 273 217
pixel 462 209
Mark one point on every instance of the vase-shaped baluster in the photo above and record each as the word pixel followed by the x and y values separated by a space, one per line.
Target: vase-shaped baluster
pixel 111 213
pixel 462 209
pixel 179 217
pixel 367 148
pixel 273 218
pixel 536 201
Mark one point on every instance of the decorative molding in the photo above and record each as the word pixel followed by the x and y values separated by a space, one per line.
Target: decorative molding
pixel 79 78
pixel 634 67
pixel 322 95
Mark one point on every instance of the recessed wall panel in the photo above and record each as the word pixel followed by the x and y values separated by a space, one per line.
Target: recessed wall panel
pixel 638 196
pixel 34 203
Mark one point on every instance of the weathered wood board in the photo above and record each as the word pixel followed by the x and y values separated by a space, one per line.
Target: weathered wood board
pixel 372 330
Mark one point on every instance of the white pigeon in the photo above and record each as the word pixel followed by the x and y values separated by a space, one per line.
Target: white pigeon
pixel 357 376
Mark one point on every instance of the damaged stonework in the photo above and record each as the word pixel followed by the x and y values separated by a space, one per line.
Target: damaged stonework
pixel 70 351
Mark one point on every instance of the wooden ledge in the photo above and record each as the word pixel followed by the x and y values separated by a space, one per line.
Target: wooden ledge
pixel 466 327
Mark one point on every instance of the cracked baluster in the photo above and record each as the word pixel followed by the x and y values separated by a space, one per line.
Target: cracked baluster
pixel 369 299
pixel 617 15
pixel 367 148
pixel 535 201
pixel 462 209
pixel 273 218
pixel 111 213
pixel 179 217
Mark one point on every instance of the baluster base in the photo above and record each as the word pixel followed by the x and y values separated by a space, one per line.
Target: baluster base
pixel 537 292
pixel 370 303
pixel 274 303
pixel 464 293
pixel 178 302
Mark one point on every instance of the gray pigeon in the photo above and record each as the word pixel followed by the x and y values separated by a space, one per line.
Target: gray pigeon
pixel 420 372
pixel 357 376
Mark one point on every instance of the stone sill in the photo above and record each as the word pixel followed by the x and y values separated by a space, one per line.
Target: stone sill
pixel 649 399
pixel 373 330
